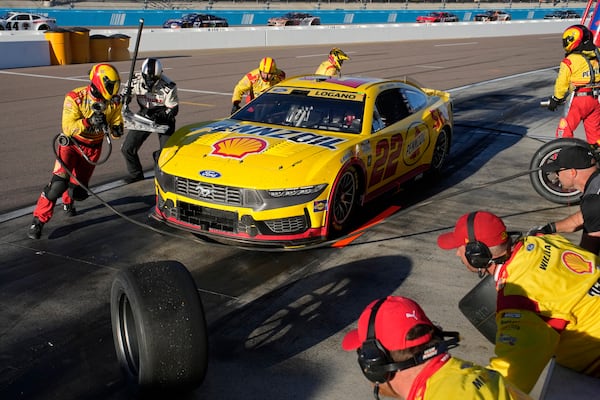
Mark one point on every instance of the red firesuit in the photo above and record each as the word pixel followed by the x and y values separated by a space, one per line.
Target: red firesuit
pixel 548 305
pixel 579 72
pixel 77 107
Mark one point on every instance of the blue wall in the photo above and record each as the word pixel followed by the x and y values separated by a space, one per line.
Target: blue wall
pixel 130 18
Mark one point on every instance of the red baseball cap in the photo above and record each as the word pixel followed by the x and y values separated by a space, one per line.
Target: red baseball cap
pixel 487 228
pixel 396 316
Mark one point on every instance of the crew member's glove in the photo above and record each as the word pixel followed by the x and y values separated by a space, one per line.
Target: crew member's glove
pixel 97 121
pixel 554 102
pixel 164 115
pixel 235 107
pixel 116 131
pixel 547 229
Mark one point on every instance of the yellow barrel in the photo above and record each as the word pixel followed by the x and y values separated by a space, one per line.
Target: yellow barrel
pixel 119 47
pixel 80 45
pixel 99 45
pixel 60 46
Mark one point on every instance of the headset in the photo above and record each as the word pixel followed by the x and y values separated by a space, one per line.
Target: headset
pixel 376 362
pixel 476 252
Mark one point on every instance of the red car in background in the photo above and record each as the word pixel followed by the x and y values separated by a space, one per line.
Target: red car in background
pixel 294 18
pixel 437 16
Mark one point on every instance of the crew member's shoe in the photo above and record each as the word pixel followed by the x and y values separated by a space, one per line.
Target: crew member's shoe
pixel 69 209
pixel 35 230
pixel 132 179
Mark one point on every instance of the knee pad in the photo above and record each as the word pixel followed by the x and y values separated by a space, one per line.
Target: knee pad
pixel 77 193
pixel 55 188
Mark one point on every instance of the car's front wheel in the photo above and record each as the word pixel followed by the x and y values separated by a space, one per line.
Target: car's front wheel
pixel 344 201
pixel 158 326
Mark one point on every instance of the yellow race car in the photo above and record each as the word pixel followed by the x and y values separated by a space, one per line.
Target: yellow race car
pixel 295 165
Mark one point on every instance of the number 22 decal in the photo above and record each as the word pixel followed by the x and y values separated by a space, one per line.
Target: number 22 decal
pixel 387 154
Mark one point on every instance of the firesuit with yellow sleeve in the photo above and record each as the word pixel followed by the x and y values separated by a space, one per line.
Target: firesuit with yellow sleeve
pixel 548 305
pixel 579 74
pixel 256 81
pixel 447 377
pixel 89 113
pixel 333 65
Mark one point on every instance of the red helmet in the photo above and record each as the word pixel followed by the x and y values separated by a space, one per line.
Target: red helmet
pixel 104 81
pixel 576 37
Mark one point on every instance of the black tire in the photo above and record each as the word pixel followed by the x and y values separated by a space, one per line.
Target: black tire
pixel 344 201
pixel 440 153
pixel 158 325
pixel 547 184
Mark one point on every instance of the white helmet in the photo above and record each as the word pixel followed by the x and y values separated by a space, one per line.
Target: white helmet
pixel 151 72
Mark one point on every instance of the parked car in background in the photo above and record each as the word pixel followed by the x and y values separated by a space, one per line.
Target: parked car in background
pixel 562 14
pixel 195 20
pixel 294 18
pixel 493 15
pixel 20 21
pixel 437 16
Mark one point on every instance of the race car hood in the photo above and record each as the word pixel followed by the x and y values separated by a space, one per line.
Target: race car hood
pixel 238 151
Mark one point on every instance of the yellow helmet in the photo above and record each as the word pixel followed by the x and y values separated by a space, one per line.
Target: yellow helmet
pixel 337 56
pixel 267 65
pixel 576 37
pixel 104 81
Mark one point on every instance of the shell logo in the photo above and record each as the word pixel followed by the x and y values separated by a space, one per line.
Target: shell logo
pixel 238 147
pixel 576 263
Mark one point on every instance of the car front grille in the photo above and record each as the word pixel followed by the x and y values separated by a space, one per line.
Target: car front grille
pixel 207 218
pixel 287 225
pixel 209 192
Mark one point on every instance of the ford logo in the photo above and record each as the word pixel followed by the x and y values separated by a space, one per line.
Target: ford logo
pixel 210 174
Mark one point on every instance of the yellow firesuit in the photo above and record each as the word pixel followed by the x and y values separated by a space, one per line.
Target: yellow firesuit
pixel 252 85
pixel 447 377
pixel 328 68
pixel 79 104
pixel 548 304
pixel 574 72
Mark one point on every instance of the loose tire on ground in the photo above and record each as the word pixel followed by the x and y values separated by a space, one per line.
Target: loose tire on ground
pixel 547 184
pixel 159 328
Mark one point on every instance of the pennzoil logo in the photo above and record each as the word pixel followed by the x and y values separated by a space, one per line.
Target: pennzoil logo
pixel 417 141
pixel 238 147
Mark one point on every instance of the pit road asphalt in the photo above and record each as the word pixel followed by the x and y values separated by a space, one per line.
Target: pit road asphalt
pixel 276 320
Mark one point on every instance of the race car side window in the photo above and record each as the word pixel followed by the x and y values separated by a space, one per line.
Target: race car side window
pixel 391 106
pixel 415 100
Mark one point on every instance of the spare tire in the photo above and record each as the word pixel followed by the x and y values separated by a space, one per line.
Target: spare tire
pixel 158 325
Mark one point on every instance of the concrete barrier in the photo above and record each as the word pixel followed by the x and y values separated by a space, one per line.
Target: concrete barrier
pixel 158 39
pixel 31 49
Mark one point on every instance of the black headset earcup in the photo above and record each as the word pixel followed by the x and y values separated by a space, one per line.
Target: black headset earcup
pixel 478 254
pixel 373 359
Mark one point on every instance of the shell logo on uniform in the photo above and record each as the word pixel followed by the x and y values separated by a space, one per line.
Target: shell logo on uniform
pixel 576 263
pixel 238 147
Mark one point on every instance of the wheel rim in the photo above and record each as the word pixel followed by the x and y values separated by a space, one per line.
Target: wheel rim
pixel 345 198
pixel 128 338
pixel 439 152
pixel 550 181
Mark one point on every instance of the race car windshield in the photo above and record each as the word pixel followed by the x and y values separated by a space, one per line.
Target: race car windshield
pixel 302 111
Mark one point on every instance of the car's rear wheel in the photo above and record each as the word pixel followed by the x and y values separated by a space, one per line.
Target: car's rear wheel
pixel 440 152
pixel 159 328
pixel 344 201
